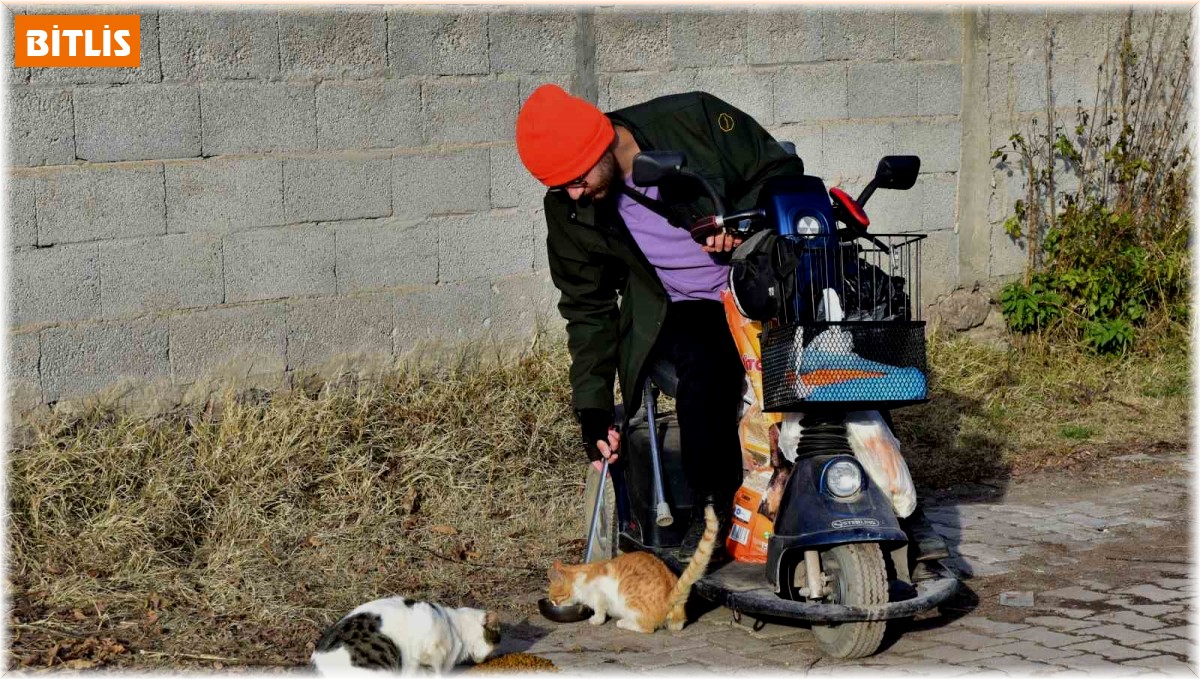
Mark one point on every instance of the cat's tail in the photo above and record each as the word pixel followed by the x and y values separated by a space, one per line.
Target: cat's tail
pixel 698 564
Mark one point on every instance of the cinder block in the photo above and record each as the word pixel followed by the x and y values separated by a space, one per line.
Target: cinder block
pixel 859 34
pixel 437 43
pixel 523 305
pixel 1029 85
pixel 852 150
pixel 939 265
pixel 999 88
pixel 80 361
pixel 491 245
pixel 55 284
pixel 891 211
pixel 333 42
pixel 245 340
pixel 41 129
pixel 325 330
pixel 368 114
pixel 432 320
pixel 532 41
pixel 939 89
pixel 804 93
pixel 470 110
pixel 631 42
pixel 1014 32
pixel 15 75
pixel 223 195
pixel 627 89
pixel 1007 256
pixel 433 183
pixel 541 255
pixel 244 117
pixel 374 254
pixel 708 38
pixel 93 202
pixel 809 145
pixel 282 262
pixel 1155 28
pixel 512 185
pixel 1085 33
pixel 937 143
pixel 939 201
pixel 883 90
pixel 929 36
pixel 748 90
pixel 787 37
pixel 1095 83
pixel 137 122
pixel 331 188
pixel 22 221
pixel 148 71
pixel 160 273
pixel 528 83
pixel 24 376
pixel 218 45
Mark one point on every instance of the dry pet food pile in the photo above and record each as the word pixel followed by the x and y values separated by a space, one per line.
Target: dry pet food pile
pixel 515 662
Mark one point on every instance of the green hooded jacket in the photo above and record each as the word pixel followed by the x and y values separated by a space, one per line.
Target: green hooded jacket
pixel 612 299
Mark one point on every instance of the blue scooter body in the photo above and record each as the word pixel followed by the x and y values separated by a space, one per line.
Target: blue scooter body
pixel 810 517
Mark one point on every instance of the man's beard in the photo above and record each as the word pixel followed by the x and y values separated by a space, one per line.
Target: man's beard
pixel 608 173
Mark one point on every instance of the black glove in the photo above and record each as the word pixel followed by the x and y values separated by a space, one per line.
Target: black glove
pixel 594 424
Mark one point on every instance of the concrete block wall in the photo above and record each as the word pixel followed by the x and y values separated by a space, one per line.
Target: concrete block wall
pixel 277 190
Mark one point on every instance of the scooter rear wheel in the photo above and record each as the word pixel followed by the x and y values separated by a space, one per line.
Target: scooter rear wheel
pixel 856 576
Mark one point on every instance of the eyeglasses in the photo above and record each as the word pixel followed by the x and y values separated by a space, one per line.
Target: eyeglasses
pixel 577 183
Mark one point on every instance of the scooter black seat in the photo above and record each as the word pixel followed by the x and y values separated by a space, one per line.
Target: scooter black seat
pixel 663 375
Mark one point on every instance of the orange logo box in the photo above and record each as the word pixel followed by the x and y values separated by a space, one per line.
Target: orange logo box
pixel 97 40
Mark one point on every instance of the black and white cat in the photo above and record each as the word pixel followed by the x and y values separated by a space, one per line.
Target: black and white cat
pixel 399 635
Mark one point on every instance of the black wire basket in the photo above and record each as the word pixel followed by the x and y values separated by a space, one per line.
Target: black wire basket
pixel 858 342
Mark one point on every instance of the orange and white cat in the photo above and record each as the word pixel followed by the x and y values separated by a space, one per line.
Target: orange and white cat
pixel 636 589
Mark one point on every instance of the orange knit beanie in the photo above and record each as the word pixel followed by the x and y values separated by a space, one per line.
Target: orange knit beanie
pixel 560 137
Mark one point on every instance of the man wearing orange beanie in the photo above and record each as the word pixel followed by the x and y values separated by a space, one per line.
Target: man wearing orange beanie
pixel 607 237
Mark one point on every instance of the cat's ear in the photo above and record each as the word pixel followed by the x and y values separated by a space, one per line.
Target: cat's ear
pixel 556 570
pixel 491 620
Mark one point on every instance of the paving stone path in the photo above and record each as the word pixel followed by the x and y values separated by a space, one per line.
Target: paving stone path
pixel 1106 559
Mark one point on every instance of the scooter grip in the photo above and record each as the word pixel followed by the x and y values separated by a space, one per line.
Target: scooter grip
pixel 703 228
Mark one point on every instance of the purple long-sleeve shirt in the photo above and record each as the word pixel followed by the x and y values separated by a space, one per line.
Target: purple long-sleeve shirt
pixel 686 271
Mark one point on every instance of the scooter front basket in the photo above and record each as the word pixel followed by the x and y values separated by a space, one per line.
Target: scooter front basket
pixel 853 338
pixel 862 365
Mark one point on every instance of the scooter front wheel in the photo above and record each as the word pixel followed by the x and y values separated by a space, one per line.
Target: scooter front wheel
pixel 856 576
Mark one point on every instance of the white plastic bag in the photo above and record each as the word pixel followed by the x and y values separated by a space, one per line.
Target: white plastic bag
pixel 878 451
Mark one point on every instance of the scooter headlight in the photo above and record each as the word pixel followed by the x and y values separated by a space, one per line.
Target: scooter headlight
pixel 843 478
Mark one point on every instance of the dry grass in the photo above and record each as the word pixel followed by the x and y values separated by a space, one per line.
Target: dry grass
pixel 1042 404
pixel 282 513
pixel 238 532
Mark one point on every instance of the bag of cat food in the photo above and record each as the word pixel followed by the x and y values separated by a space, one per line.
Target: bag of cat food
pixel 750 531
pixel 878 451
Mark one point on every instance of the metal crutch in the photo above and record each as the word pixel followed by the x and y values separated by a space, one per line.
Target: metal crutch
pixel 662 511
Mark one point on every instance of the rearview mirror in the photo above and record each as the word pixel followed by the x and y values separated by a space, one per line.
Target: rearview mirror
pixel 651 167
pixel 897 172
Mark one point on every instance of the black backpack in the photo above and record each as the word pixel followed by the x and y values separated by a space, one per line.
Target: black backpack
pixel 760 275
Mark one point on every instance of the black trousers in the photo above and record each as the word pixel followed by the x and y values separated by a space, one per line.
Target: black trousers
pixel 695 338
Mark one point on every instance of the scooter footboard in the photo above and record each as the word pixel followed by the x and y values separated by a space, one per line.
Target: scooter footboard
pixel 763 602
pixel 740 587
